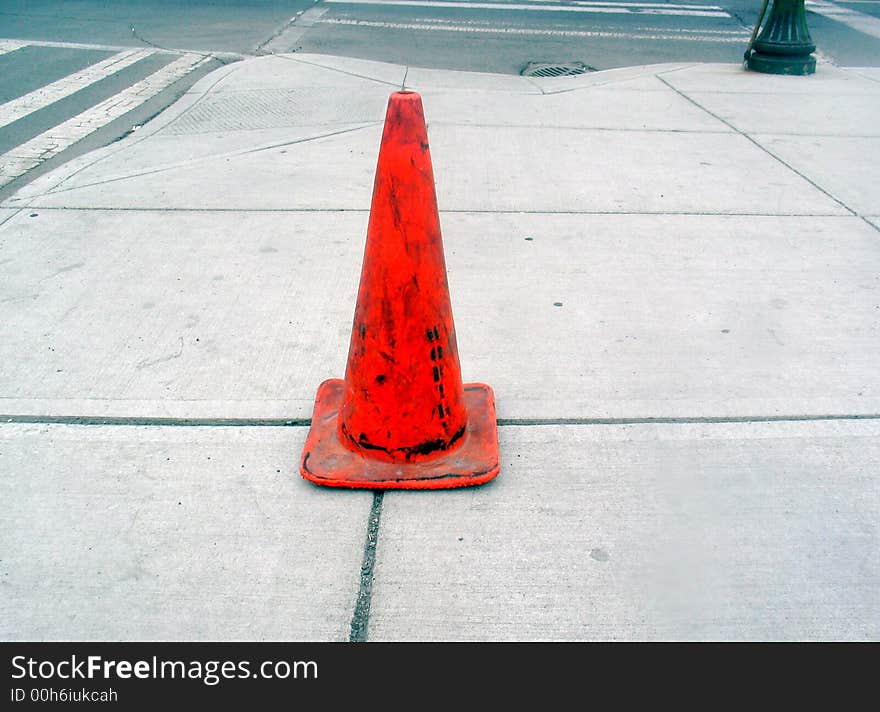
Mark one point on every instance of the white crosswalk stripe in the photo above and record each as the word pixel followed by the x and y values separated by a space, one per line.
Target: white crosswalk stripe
pixel 581 7
pixel 866 24
pixel 666 5
pixel 49 94
pixel 11 45
pixel 30 154
pixel 734 37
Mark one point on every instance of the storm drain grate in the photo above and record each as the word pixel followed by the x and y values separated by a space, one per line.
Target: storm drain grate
pixel 556 69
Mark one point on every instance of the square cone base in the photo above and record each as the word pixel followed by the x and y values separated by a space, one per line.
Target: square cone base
pixel 327 461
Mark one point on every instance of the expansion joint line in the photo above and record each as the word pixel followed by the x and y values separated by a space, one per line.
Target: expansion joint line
pixel 134 421
pixel 361 617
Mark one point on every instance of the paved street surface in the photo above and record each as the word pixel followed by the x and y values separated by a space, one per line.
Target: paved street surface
pixel 507 35
pixel 234 26
pixel 667 273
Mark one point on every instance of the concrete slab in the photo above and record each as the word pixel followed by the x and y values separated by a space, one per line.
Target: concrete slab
pixel 478 169
pixel 804 114
pixel 423 80
pixel 749 531
pixel 227 314
pixel 593 107
pixel 597 316
pixel 709 77
pixel 206 267
pixel 572 170
pixel 132 533
pixel 836 163
pixel 121 311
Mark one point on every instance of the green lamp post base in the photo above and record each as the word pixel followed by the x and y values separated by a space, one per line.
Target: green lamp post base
pixel 784 45
pixel 780 64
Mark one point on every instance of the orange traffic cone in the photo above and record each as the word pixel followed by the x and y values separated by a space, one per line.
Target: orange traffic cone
pixel 402 419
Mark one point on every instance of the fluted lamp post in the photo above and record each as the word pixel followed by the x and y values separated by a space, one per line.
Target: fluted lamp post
pixel 784 45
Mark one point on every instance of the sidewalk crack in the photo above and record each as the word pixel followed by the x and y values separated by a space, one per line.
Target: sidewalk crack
pixel 361 617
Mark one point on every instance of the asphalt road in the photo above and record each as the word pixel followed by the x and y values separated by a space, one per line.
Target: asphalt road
pixel 497 35
pixel 49 41
pixel 507 35
pixel 207 25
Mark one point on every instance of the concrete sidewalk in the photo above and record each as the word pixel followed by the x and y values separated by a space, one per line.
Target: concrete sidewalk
pixel 670 275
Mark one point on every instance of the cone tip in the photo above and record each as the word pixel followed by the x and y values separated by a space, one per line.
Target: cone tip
pixel 406 95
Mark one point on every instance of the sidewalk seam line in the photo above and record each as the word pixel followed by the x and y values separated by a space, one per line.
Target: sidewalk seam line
pixel 124 421
pixel 88 420
pixel 581 129
pixel 864 76
pixel 866 219
pixel 683 213
pixel 361 617
pixel 537 86
pixel 15 211
pixel 291 58
pixel 672 420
